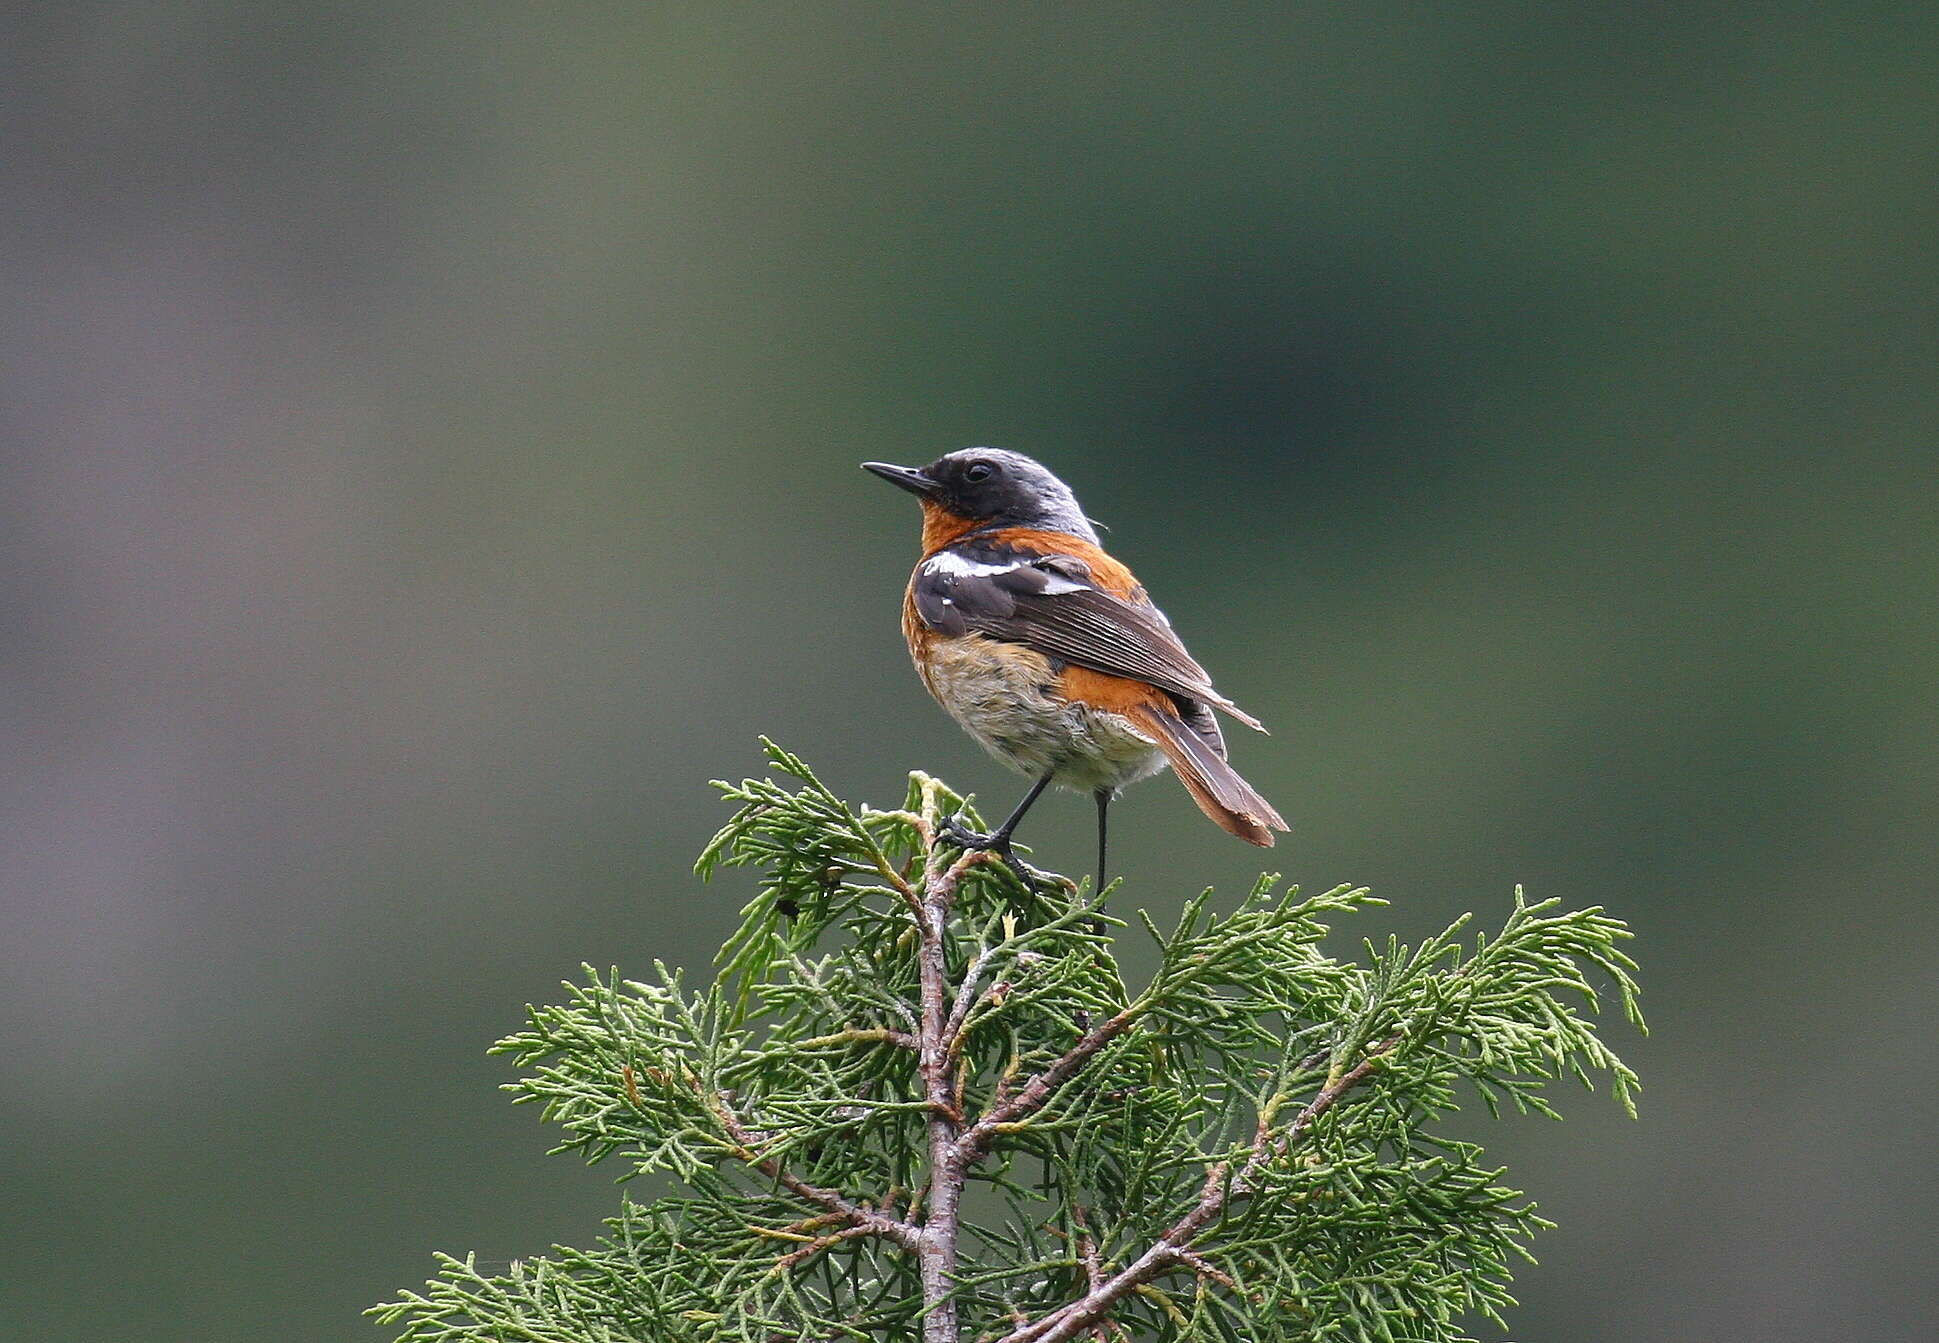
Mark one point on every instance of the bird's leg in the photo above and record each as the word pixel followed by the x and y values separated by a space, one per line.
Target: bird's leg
pixel 1104 796
pixel 998 840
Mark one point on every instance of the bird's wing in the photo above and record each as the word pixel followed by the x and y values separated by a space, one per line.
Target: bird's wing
pixel 1051 604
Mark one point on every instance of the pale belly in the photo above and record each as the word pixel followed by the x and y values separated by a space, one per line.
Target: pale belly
pixel 1005 696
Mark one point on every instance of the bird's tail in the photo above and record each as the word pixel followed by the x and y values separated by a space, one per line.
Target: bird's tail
pixel 1233 804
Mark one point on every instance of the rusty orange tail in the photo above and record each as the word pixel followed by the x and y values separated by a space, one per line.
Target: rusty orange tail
pixel 1234 805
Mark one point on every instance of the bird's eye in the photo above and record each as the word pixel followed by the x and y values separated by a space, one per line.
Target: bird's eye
pixel 979 471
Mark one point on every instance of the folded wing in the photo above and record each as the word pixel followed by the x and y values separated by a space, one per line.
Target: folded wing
pixel 1049 603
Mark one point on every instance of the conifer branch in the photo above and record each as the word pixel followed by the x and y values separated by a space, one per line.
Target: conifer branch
pixel 896 1024
pixel 1174 1249
pixel 862 1219
pixel 860 1035
pixel 1037 1092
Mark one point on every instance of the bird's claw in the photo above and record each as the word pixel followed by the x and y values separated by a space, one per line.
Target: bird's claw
pixel 956 831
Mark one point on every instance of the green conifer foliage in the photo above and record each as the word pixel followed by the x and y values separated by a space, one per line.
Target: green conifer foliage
pixel 919 1101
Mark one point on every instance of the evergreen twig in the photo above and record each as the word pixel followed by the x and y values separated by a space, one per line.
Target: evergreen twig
pixel 921 1101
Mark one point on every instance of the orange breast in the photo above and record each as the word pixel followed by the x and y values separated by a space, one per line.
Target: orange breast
pixel 918 634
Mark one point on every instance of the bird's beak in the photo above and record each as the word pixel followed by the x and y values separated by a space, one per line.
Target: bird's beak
pixel 908 477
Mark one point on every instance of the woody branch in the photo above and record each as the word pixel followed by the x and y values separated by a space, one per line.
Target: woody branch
pixel 937 1246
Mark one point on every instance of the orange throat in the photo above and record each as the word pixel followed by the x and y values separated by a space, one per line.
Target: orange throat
pixel 940 527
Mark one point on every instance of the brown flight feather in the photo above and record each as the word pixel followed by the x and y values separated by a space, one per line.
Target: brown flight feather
pixel 1227 799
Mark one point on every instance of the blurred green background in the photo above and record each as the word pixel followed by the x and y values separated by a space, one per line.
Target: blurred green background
pixel 429 455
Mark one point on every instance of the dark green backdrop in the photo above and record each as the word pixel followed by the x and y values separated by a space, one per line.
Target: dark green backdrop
pixel 429 455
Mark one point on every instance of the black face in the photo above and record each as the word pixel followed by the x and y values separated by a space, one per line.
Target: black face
pixel 990 484
pixel 993 485
pixel 973 486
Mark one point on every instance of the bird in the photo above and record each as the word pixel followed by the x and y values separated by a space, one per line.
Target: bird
pixel 1050 653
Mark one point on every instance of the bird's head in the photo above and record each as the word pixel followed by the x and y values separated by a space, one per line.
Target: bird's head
pixel 984 487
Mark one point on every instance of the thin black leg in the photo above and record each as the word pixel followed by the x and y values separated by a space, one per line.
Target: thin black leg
pixel 1103 796
pixel 1009 826
pixel 998 839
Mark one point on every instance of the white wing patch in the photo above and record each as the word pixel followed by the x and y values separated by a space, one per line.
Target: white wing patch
pixel 957 565
pixel 962 566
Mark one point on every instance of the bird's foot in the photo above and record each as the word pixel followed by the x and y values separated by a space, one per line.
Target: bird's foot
pixel 956 831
